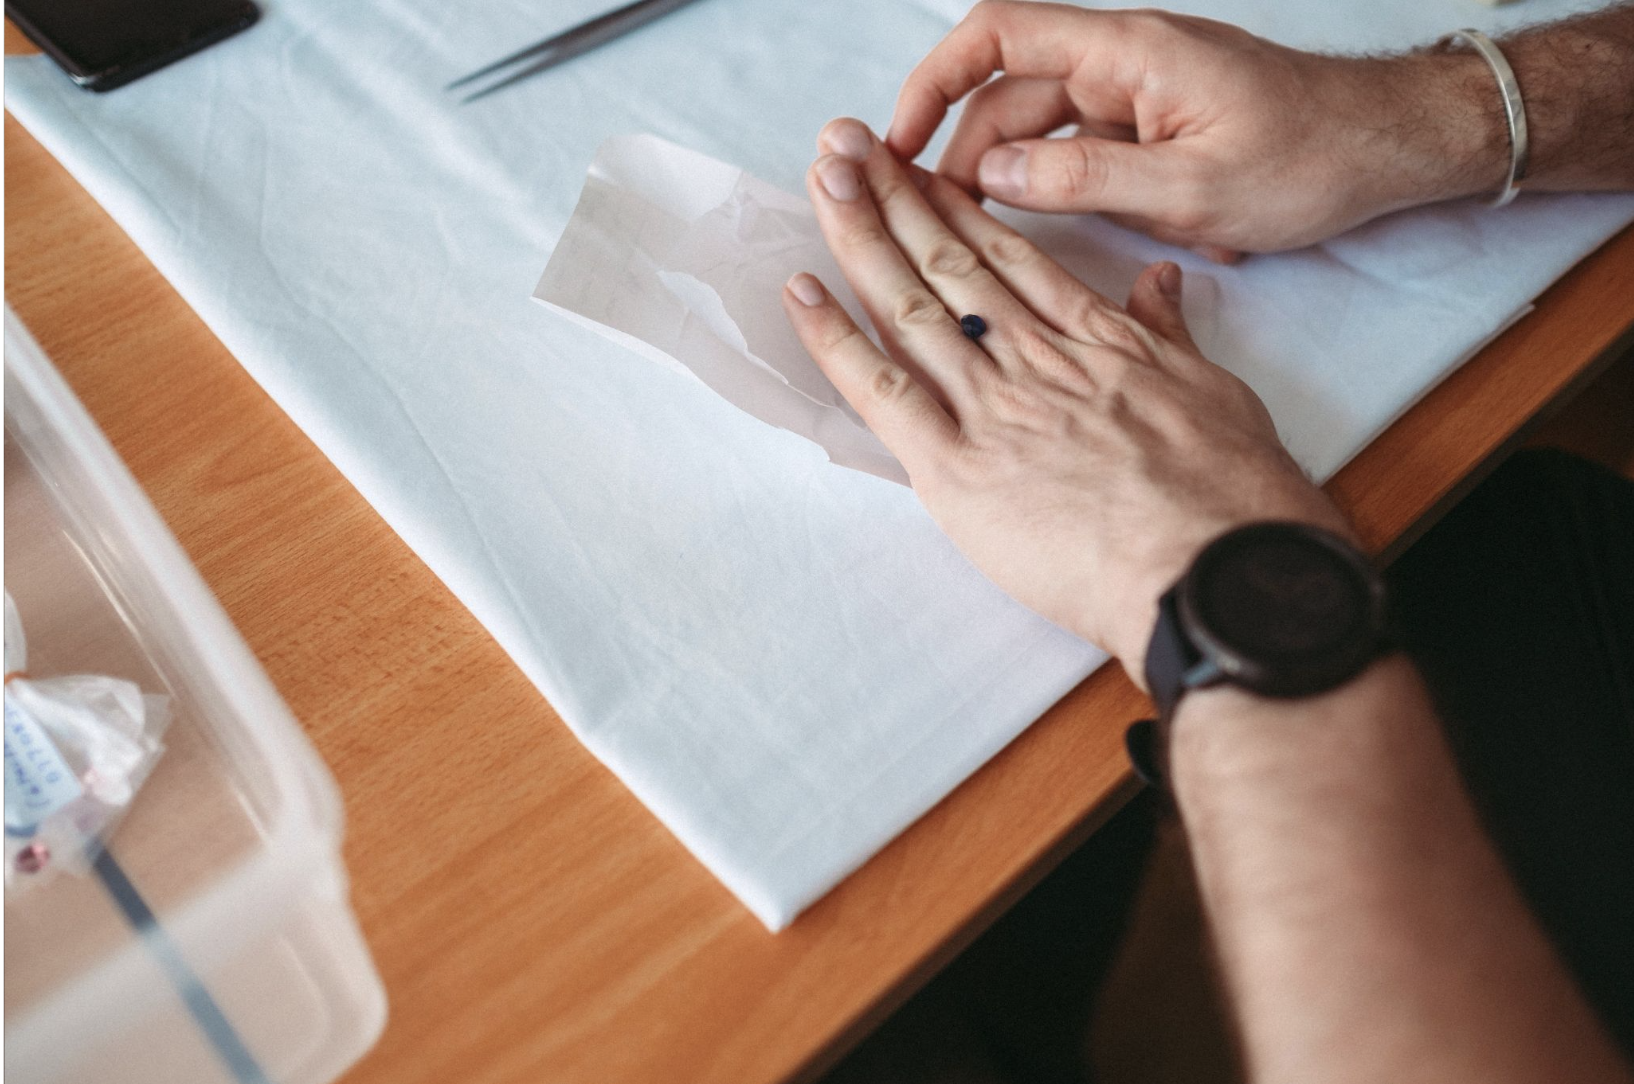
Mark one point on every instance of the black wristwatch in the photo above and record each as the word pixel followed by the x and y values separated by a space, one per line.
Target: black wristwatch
pixel 1281 609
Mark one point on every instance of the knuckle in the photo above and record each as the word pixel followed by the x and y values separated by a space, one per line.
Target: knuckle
pixel 1034 344
pixel 1073 172
pixel 839 336
pixel 890 188
pixel 1014 405
pixel 1086 315
pixel 1044 355
pixel 862 235
pixel 1008 250
pixel 1022 416
pixel 1115 373
pixel 949 258
pixel 1116 329
pixel 889 383
pixel 917 308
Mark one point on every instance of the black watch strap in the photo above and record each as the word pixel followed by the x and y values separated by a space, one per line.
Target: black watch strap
pixel 1169 657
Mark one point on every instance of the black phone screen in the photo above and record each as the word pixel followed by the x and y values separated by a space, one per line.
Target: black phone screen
pixel 106 42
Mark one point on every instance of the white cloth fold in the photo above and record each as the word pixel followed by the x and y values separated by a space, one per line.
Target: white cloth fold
pixel 783 658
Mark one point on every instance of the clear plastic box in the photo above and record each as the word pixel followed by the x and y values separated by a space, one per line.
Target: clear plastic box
pixel 230 953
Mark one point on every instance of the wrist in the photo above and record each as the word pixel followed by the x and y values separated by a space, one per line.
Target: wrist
pixel 1439 132
pixel 1135 618
pixel 1228 736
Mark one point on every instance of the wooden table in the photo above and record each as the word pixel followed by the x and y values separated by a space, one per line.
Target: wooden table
pixel 532 922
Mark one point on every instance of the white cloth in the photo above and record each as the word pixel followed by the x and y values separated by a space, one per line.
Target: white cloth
pixel 783 658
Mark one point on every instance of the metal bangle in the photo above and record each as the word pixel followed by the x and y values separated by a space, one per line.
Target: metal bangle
pixel 1514 107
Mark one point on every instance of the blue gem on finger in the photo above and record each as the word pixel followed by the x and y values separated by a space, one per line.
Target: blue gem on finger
pixel 973 326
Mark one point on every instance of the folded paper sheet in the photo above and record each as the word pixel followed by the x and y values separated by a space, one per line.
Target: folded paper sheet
pixel 682 259
pixel 785 660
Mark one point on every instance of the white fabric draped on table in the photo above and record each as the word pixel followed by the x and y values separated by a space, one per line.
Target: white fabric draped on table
pixel 783 658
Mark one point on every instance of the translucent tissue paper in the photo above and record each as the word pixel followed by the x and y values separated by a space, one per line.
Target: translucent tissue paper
pixel 77 749
pixel 682 259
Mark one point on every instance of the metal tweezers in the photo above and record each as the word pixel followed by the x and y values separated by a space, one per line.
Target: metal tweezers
pixel 569 44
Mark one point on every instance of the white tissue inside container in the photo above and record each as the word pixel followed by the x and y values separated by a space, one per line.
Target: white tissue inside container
pixel 101 735
pixel 78 747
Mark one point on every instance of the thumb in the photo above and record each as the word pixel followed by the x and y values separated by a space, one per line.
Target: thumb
pixel 1154 300
pixel 1079 174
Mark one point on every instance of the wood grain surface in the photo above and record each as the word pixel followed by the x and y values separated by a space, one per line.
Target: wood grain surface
pixel 532 922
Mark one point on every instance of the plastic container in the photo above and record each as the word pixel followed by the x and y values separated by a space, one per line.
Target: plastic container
pixel 215 942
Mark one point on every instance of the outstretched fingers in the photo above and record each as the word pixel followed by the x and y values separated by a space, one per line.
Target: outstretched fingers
pixel 1048 289
pixel 912 321
pixel 899 410
pixel 938 256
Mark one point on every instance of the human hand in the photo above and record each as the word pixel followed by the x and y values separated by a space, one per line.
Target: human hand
pixel 1196 132
pixel 1079 454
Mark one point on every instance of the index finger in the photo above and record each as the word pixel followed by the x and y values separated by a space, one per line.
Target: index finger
pixel 1025 39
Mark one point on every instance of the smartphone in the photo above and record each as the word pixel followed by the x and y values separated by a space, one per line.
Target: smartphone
pixel 103 44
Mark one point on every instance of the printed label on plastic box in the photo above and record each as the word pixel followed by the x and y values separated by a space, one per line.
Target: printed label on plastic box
pixel 38 781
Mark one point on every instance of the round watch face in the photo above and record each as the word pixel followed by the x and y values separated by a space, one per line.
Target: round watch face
pixel 1283 608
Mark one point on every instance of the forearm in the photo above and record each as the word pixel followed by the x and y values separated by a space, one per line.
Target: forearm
pixel 1366 928
pixel 1577 82
pixel 1577 79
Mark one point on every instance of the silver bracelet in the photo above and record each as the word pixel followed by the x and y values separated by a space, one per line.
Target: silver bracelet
pixel 1514 108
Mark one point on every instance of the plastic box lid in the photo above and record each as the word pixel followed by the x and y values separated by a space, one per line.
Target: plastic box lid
pixel 214 941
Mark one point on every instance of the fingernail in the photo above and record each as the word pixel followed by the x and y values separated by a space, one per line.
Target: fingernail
pixel 1168 280
pixel 1003 172
pixel 849 139
pixel 806 289
pixel 839 179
